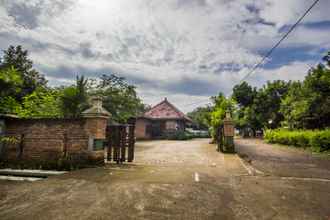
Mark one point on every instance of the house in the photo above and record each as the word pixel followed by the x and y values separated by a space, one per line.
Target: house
pixel 161 119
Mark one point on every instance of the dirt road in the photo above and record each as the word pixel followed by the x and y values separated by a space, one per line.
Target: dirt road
pixel 169 180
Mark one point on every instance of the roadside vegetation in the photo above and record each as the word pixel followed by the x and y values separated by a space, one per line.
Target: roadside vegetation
pixel 293 113
pixel 316 140
pixel 25 92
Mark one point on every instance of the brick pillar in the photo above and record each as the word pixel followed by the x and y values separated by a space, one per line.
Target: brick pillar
pixel 96 121
pixel 229 132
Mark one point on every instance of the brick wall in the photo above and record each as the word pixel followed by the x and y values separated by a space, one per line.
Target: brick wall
pixel 53 139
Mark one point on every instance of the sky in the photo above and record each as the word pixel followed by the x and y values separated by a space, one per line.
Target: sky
pixel 185 50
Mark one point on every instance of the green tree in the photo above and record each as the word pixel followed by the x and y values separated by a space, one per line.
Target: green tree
pixel 221 106
pixel 201 117
pixel 10 82
pixel 119 97
pixel 17 57
pixel 308 103
pixel 74 99
pixel 244 94
pixel 245 117
pixel 9 105
pixel 42 103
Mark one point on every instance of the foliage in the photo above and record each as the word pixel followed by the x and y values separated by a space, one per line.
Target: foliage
pixel 74 99
pixel 221 106
pixel 259 109
pixel 201 117
pixel 317 140
pixel 8 105
pixel 17 58
pixel 119 97
pixel 178 135
pixel 42 103
pixel 10 82
pixel 244 94
pixel 308 103
pixel 9 140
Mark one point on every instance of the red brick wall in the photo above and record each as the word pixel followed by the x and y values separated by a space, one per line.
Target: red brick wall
pixel 96 127
pixel 52 139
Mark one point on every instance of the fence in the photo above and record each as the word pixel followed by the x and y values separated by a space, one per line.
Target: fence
pixel 120 141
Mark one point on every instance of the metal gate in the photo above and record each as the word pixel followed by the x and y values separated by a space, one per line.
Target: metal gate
pixel 120 143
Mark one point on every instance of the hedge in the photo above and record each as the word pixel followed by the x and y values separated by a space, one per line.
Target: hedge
pixel 184 135
pixel 317 140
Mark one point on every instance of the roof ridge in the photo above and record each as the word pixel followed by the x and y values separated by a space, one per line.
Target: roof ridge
pixel 153 107
pixel 179 113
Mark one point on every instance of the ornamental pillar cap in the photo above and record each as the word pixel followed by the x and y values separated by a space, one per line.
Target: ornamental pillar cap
pixel 96 111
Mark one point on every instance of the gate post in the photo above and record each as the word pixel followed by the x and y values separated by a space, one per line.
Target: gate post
pixel 96 123
pixel 229 132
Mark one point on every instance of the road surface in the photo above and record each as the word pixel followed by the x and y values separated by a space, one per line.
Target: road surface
pixel 177 180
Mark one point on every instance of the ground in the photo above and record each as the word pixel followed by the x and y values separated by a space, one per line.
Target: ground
pixel 182 180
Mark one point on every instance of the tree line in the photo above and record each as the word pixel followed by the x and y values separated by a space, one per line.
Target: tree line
pixel 278 104
pixel 25 92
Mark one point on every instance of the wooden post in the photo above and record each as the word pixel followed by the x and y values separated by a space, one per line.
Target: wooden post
pixel 123 143
pixel 131 143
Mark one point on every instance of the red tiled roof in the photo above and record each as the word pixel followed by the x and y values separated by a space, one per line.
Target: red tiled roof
pixel 165 110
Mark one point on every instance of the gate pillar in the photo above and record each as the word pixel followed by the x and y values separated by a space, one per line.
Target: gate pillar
pixel 96 123
pixel 229 132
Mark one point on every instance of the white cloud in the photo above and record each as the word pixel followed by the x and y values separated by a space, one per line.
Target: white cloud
pixel 199 46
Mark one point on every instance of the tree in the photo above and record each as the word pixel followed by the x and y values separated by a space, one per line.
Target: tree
pixel 42 103
pixel 119 97
pixel 10 82
pixel 201 117
pixel 221 106
pixel 74 99
pixel 17 58
pixel 308 103
pixel 244 94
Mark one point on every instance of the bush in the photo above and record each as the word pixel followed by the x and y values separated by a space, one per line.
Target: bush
pixel 178 135
pixel 316 140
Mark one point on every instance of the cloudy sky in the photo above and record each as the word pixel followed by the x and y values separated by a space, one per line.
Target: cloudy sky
pixel 186 50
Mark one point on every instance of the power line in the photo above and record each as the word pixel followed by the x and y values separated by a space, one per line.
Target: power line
pixel 278 43
pixel 197 102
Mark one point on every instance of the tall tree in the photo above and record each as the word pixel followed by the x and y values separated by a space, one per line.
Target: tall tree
pixel 74 98
pixel 244 94
pixel 201 117
pixel 17 57
pixel 119 97
pixel 42 103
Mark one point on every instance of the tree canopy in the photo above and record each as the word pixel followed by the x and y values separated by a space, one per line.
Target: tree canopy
pixel 24 91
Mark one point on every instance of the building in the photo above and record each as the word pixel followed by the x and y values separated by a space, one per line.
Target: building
pixel 161 119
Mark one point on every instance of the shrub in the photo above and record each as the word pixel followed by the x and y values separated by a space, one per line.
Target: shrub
pixel 178 135
pixel 316 140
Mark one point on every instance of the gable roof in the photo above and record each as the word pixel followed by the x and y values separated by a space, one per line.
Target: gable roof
pixel 165 110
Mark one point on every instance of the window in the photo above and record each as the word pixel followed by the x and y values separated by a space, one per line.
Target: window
pixel 171 125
